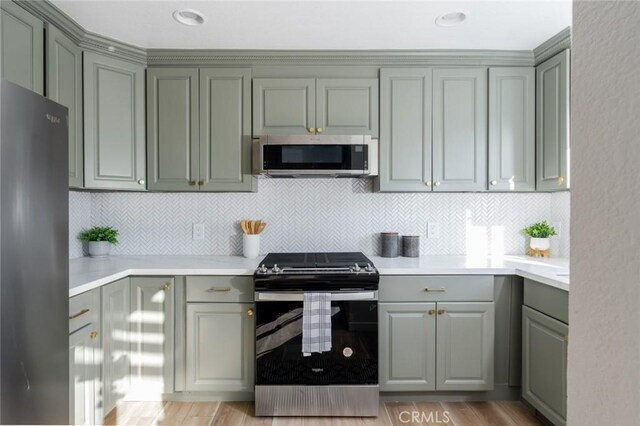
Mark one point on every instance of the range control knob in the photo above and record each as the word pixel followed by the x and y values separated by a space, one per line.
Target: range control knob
pixel 356 268
pixel 368 268
pixel 275 269
pixel 262 269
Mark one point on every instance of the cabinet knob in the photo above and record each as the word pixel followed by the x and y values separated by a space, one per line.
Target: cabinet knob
pixel 437 183
pixel 566 338
pixel 166 287
pixel 93 335
pixel 432 311
pixel 428 183
pixel 311 129
pixel 141 181
pixel 319 130
pixel 494 182
pixel 192 183
pixel 200 182
pixel 560 180
pixel 441 311
pixel 250 312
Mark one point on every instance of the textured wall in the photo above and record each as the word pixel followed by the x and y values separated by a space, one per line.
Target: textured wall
pixel 319 214
pixel 604 301
pixel 79 219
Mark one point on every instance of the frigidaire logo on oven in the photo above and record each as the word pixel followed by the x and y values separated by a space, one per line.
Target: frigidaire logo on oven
pixel 53 119
pixel 317 370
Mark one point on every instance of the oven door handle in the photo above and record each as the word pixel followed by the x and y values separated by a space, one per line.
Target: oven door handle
pixel 273 296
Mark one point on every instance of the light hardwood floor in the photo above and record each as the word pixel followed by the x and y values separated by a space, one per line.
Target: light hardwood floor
pixel 511 413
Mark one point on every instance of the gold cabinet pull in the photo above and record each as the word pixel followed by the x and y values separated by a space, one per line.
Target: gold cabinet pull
pixel 192 183
pixel 494 182
pixel 319 130
pixel 166 287
pixel 93 334
pixel 440 290
pixel 432 311
pixel 218 289
pixel 200 182
pixel 250 312
pixel 560 180
pixel 82 312
pixel 566 338
pixel 141 181
pixel 311 129
pixel 437 183
pixel 441 311
pixel 428 183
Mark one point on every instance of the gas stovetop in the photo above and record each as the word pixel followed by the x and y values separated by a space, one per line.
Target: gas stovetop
pixel 316 271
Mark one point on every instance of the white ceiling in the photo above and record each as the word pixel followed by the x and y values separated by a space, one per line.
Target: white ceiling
pixel 329 24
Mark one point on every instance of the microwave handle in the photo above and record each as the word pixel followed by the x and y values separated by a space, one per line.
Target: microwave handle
pixel 261 296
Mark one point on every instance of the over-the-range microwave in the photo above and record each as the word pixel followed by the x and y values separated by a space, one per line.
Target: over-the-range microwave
pixel 315 156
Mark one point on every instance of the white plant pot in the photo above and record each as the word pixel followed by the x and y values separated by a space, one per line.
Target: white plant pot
pixel 540 243
pixel 250 246
pixel 99 248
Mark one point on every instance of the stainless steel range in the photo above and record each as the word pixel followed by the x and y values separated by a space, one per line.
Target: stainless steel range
pixel 340 382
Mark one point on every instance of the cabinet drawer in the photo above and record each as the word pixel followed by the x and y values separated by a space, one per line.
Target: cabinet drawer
pixel 476 288
pixel 84 309
pixel 220 289
pixel 551 301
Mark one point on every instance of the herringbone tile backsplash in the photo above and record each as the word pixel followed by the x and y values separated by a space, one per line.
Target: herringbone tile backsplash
pixel 312 215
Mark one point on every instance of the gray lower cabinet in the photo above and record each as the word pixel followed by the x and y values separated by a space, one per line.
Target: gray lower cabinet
pixel 151 327
pixel 172 129
pixel 465 346
pixel 459 129
pixel 22 47
pixel 115 342
pixel 405 130
pixel 552 123
pixel 64 85
pixel 512 129
pixel 335 106
pixel 407 342
pixel 219 347
pixel 544 364
pixel 114 124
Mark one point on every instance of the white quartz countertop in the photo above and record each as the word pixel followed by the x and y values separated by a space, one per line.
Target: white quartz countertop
pixel 88 273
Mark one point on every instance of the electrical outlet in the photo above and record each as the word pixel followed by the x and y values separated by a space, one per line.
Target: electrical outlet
pixel 433 230
pixel 198 231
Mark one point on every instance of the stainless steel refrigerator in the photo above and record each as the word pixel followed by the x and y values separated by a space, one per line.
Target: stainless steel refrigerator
pixel 34 271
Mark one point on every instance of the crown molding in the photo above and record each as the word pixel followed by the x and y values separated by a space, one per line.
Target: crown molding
pixel 553 46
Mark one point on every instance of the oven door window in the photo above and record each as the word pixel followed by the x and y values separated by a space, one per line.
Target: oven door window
pixel 353 359
pixel 315 157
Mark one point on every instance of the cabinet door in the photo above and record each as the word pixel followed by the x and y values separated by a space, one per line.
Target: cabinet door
pixel 220 347
pixel 114 134
pixel 115 342
pixel 405 130
pixel 544 364
pixel 83 375
pixel 512 129
pixel 225 129
pixel 465 346
pixel 22 50
pixel 407 346
pixel 172 129
pixel 347 106
pixel 64 85
pixel 552 123
pixel 151 327
pixel 283 106
pixel 460 129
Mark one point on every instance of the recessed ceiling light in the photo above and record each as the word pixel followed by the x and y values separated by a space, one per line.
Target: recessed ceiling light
pixel 450 19
pixel 189 17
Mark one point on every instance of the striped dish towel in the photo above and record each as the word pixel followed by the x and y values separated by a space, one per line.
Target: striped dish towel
pixel 316 323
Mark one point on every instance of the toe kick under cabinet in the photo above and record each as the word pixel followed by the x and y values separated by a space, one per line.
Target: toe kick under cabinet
pixel 436 333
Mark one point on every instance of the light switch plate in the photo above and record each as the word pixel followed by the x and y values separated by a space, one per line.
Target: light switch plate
pixel 198 231
pixel 433 230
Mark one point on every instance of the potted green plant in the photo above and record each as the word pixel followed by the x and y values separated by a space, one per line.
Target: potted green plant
pixel 100 239
pixel 540 233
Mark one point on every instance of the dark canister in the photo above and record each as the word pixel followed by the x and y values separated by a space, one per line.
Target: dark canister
pixel 389 244
pixel 411 245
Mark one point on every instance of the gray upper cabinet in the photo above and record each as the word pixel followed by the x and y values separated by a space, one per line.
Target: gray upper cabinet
pixel 173 138
pixel 460 129
pixel 347 106
pixel 552 123
pixel 465 346
pixel 405 130
pixel 64 85
pixel 544 364
pixel 22 50
pixel 284 106
pixel 225 130
pixel 403 326
pixel 151 335
pixel 512 129
pixel 114 125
